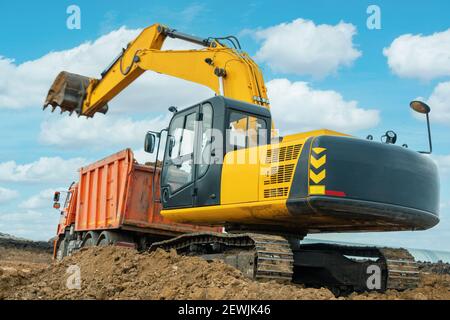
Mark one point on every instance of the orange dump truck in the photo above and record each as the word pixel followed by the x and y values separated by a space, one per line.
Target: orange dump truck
pixel 116 201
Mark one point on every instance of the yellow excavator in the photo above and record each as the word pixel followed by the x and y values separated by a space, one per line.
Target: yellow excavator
pixel 223 164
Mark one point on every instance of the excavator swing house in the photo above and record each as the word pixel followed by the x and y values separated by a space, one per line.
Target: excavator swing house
pixel 312 182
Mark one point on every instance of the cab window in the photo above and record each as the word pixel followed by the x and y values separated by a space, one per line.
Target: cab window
pixel 180 153
pixel 205 150
pixel 245 131
pixel 68 198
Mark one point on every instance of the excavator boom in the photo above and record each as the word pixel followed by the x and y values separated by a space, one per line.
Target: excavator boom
pixel 225 70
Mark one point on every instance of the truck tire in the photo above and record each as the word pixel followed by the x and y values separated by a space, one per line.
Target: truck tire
pixel 103 242
pixel 61 252
pixel 90 239
pixel 105 239
pixel 108 238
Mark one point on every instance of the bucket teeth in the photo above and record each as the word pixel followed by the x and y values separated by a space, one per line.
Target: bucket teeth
pixel 68 92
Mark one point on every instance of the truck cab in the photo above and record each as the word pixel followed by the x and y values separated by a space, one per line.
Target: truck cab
pixel 68 210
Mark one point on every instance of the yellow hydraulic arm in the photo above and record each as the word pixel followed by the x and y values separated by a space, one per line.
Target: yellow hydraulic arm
pixel 227 71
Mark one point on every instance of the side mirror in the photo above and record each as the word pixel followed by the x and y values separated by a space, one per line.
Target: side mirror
pixel 422 107
pixel 150 142
pixel 56 205
pixel 57 196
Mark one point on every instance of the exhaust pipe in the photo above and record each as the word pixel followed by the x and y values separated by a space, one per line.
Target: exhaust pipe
pixel 68 92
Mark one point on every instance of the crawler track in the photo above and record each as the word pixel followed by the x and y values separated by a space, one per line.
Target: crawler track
pixel 403 271
pixel 261 256
pixel 258 256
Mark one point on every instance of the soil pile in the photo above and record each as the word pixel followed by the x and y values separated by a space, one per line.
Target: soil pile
pixel 19 266
pixel 432 287
pixel 121 273
pixel 438 268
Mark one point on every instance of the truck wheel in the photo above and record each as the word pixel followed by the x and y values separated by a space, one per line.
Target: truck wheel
pixel 108 238
pixel 90 239
pixel 61 252
pixel 103 242
pixel 105 239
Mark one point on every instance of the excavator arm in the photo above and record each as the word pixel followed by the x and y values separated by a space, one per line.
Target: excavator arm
pixel 225 70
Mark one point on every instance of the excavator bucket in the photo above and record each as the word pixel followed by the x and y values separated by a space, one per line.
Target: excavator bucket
pixel 68 92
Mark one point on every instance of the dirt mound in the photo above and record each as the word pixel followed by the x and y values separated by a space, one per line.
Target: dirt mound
pixel 437 268
pixel 119 273
pixel 19 266
pixel 432 287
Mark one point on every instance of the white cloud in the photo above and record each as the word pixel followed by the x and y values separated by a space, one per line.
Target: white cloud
pixel 143 157
pixel 45 169
pixel 42 200
pixel 30 224
pixel 419 56
pixel 439 103
pixel 151 93
pixel 26 84
pixel 298 107
pixel 304 48
pixel 7 195
pixel 443 163
pixel 99 132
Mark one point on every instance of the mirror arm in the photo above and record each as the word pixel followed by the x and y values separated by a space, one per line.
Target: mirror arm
pixel 422 107
pixel 429 133
pixel 429 137
pixel 156 165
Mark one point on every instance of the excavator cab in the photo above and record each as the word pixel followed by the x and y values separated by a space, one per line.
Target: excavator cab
pixel 197 140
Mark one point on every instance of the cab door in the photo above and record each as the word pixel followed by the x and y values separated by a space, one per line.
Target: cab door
pixel 178 174
pixel 209 158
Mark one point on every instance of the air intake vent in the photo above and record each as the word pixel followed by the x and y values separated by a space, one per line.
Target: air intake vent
pixel 283 154
pixel 276 192
pixel 279 170
pixel 280 174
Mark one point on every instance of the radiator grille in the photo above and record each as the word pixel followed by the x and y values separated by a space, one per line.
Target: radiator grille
pixel 280 174
pixel 280 167
pixel 276 192
pixel 283 154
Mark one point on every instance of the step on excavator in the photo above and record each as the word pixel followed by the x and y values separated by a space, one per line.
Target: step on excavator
pixel 224 165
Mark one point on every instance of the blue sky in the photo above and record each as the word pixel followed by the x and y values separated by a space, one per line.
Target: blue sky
pixel 29 142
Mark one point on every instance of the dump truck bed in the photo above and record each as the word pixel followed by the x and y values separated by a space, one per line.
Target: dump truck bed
pixel 117 193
